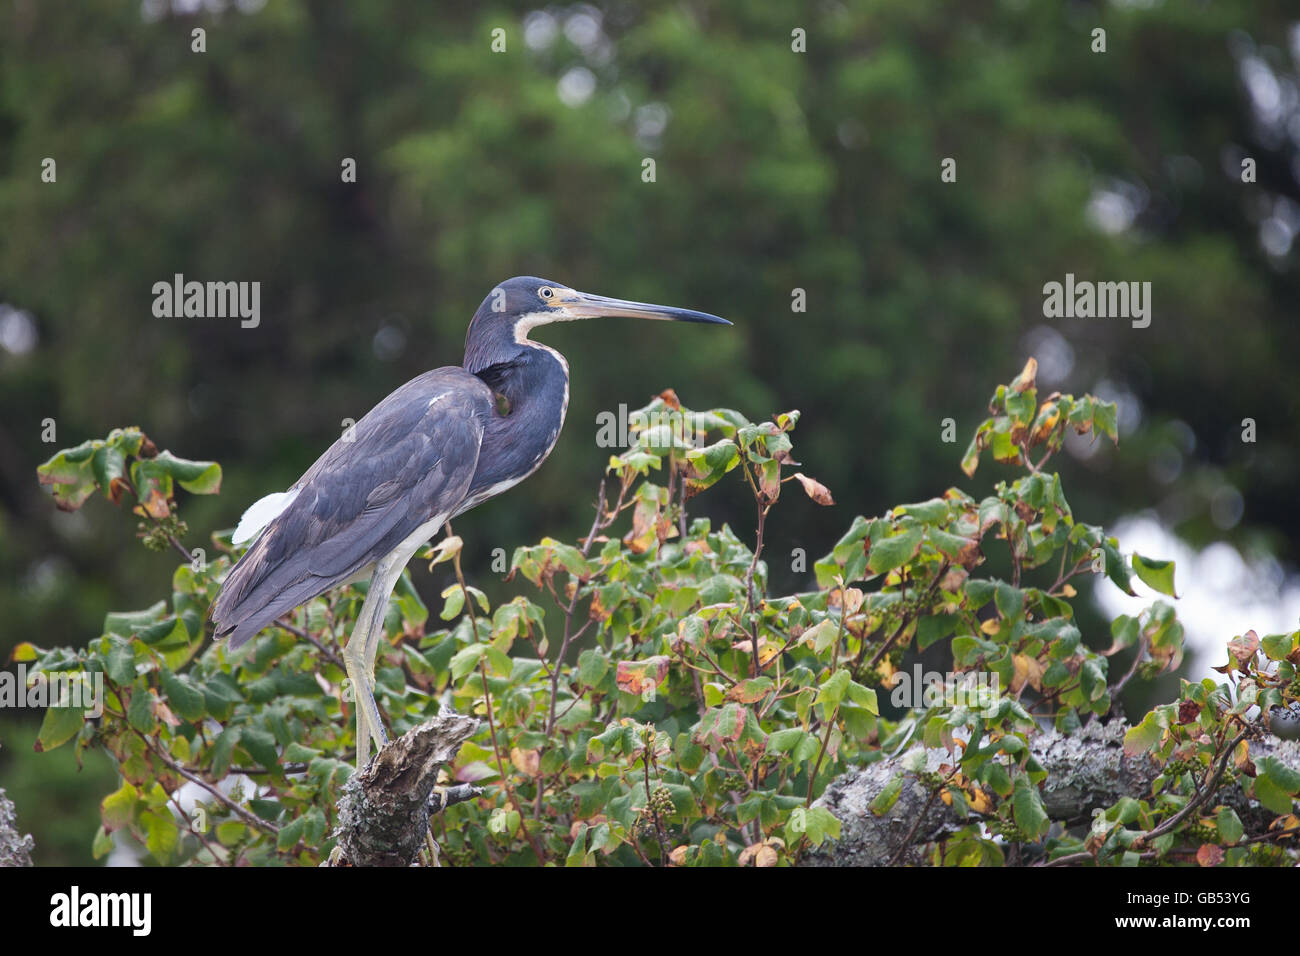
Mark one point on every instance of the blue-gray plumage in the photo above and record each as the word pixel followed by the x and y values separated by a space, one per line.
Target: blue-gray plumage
pixel 442 443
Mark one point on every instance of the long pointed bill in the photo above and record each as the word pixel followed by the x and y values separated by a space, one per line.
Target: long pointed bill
pixel 581 305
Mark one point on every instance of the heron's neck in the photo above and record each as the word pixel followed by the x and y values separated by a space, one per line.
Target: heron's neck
pixel 533 390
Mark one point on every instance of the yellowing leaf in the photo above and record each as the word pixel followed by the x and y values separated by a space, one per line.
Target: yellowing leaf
pixel 1029 670
pixel 1025 380
pixel 527 762
pixel 760 854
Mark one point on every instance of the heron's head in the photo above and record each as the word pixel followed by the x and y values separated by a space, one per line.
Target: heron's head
pixel 501 325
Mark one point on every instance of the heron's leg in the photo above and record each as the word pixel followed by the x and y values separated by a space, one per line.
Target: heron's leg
pixel 388 571
pixel 369 621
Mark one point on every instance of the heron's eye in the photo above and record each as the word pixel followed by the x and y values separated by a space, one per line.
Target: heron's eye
pixel 546 292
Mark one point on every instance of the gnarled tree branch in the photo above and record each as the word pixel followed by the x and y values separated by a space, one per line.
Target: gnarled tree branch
pixel 1086 770
pixel 384 811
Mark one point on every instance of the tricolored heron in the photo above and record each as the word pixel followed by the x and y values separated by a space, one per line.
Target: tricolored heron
pixel 442 443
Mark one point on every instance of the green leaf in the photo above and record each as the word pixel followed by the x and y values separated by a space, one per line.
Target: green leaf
pixel 139 713
pixel 1229 825
pixel 819 824
pixel 59 725
pixel 260 746
pixel 118 808
pixel 864 697
pixel 221 694
pixel 593 665
pixel 184 697
pixel 784 740
pixel 466 659
pixel 196 477
pixel 291 833
pixel 453 601
pixel 161 835
pixel 884 801
pixel 1115 567
pixel 935 511
pixel 1027 807
pixel 70 476
pixel 119 662
pixel 1279 773
pixel 296 752
pixel 1155 574
pixel 102 844
pixel 833 689
pixel 1271 795
pixel 1278 646
pixel 894 551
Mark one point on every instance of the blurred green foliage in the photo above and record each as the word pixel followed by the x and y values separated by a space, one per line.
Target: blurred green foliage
pixel 774 171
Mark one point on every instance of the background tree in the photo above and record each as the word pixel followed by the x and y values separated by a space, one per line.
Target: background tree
pixel 775 171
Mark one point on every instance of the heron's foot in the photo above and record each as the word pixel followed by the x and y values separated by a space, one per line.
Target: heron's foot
pixel 431 845
pixel 370 727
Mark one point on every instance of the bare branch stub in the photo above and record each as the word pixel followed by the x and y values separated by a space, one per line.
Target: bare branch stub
pixel 384 811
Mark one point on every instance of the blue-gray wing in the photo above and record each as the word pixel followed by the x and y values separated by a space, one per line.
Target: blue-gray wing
pixel 408 461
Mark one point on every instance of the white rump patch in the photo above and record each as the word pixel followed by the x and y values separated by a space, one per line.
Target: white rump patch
pixel 261 513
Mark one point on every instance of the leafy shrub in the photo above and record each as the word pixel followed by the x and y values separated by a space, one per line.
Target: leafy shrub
pixel 681 713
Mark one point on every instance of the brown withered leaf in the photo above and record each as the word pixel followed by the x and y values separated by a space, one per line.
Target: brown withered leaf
pixel 595 821
pixel 1243 648
pixel 815 489
pixel 954 579
pixel 635 676
pixel 115 489
pixel 670 399
pixel 645 519
pixel 1209 854
pixel 745 692
pixel 677 856
pixel 164 713
pixel 665 528
pixel 597 611
pixel 970 555
pixel 154 504
pixel 1188 711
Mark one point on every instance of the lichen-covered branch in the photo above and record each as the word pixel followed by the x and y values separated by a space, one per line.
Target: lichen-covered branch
pixel 15 848
pixel 1086 770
